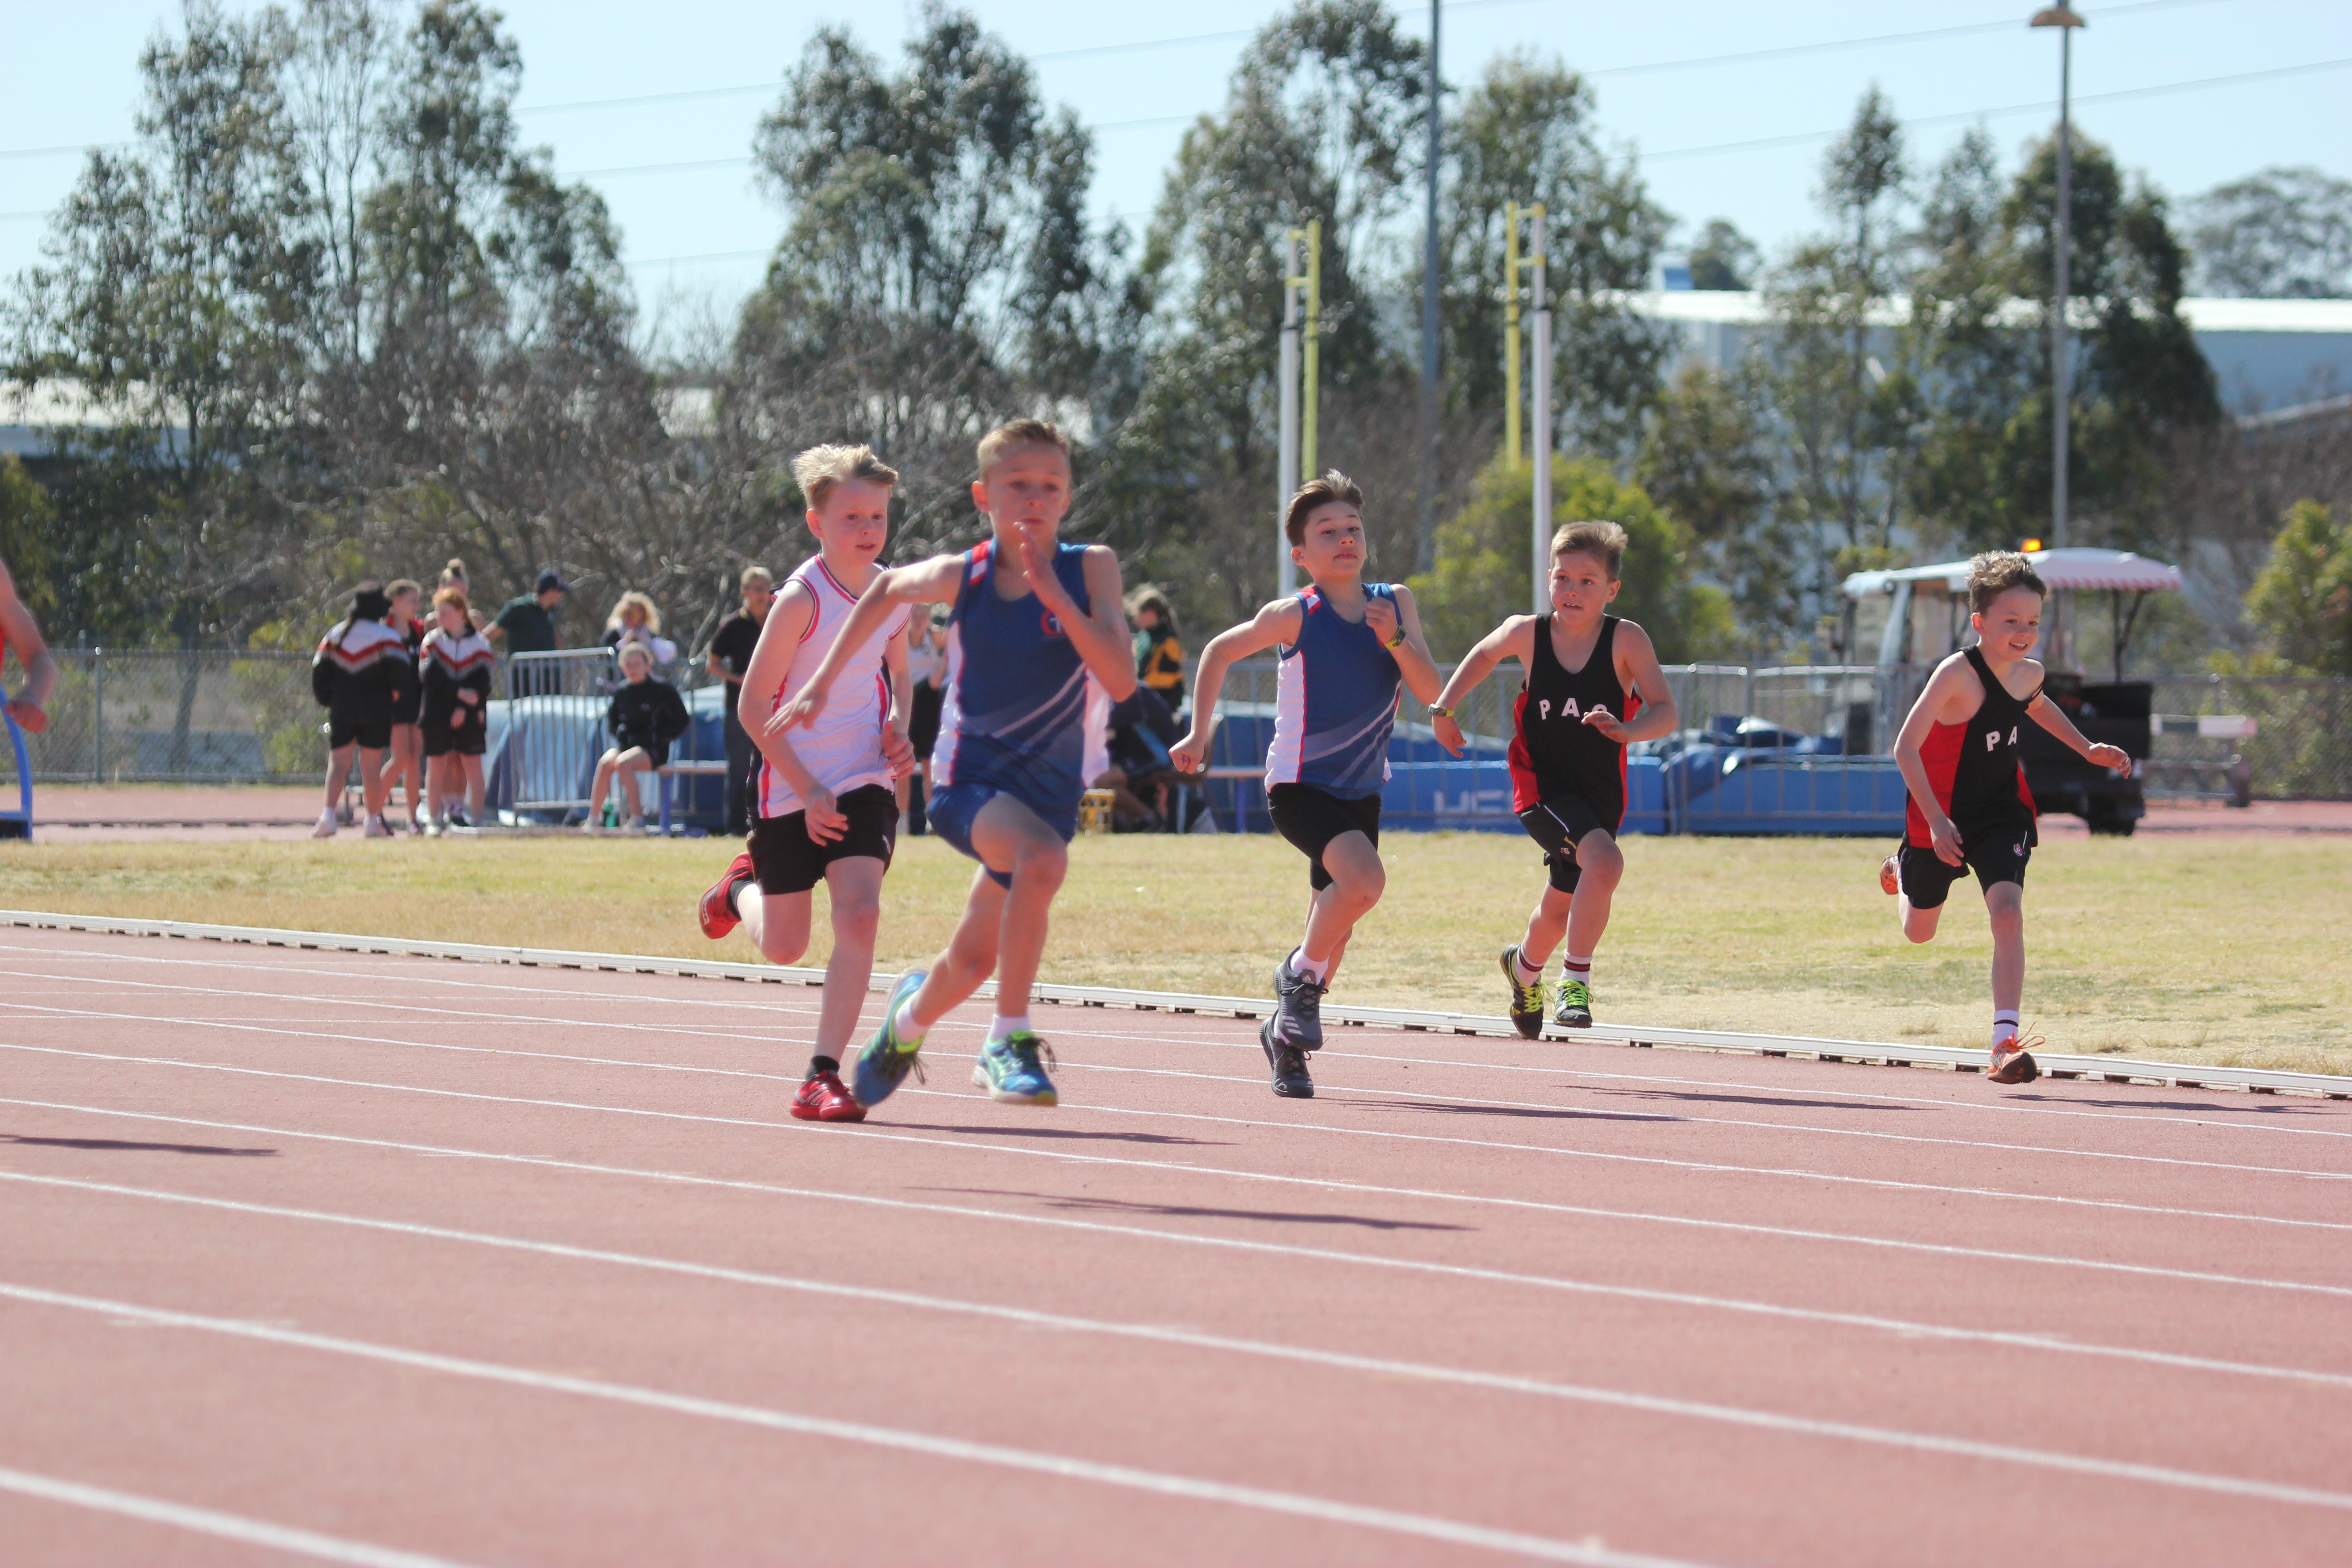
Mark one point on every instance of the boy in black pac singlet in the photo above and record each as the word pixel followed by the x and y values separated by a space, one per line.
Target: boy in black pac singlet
pixel 1592 685
pixel 1970 807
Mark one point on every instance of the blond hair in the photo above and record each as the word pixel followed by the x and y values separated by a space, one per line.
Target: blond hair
pixel 1995 573
pixel 621 655
pixel 1604 541
pixel 756 577
pixel 633 599
pixel 1333 489
pixel 1020 433
pixel 819 471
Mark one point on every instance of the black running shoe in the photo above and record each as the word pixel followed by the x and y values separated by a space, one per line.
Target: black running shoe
pixel 1527 999
pixel 1289 1064
pixel 1299 1008
pixel 1575 1005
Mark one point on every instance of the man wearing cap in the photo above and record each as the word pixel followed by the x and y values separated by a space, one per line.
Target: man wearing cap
pixel 525 623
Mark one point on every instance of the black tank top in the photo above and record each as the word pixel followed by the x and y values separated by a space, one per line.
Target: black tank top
pixel 1556 752
pixel 1975 766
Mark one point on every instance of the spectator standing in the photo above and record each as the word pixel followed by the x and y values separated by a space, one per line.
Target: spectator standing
pixel 646 714
pixel 453 575
pixel 1158 656
pixel 729 655
pixel 525 623
pixel 406 757
pixel 351 675
pixel 635 619
pixel 457 710
pixel 927 673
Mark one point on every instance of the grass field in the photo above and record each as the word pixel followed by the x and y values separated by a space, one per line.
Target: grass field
pixel 2211 951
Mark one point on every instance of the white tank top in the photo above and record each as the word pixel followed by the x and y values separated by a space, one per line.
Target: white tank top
pixel 843 749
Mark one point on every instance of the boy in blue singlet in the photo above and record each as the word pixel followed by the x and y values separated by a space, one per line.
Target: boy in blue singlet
pixel 1347 645
pixel 1037 651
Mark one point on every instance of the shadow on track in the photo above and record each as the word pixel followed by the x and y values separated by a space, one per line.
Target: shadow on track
pixel 1196 1211
pixel 1017 1131
pixel 1787 1102
pixel 1536 1112
pixel 118 1145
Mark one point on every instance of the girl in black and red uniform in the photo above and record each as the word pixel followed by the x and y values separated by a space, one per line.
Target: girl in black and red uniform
pixel 1970 809
pixel 1592 685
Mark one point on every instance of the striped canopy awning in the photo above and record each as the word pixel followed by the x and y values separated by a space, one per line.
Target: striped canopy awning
pixel 2074 568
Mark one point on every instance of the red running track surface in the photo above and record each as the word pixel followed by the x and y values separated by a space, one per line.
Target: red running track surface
pixel 432 1261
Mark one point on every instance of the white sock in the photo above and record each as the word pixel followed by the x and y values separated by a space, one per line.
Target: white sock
pixel 1001 1028
pixel 1302 964
pixel 2004 1025
pixel 1529 972
pixel 905 1025
pixel 1575 968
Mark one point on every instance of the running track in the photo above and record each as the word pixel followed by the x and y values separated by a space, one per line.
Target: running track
pixel 312 1256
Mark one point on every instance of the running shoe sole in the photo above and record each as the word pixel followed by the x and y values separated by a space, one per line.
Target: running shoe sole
pixel 714 913
pixel 1529 1025
pixel 870 1082
pixel 1890 877
pixel 2019 1069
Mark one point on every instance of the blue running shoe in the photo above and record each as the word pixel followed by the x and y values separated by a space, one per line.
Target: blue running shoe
pixel 1009 1070
pixel 884 1063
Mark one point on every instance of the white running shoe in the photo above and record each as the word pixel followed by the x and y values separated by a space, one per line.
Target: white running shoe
pixel 326 828
pixel 377 827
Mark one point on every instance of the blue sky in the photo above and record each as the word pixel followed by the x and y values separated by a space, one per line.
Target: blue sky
pixel 77 83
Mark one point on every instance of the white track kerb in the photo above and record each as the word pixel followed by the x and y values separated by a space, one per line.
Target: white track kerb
pixel 2110 1069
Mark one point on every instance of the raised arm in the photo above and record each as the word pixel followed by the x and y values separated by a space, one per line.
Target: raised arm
pixel 1515 638
pixel 928 582
pixel 1277 623
pixel 1638 669
pixel 1413 657
pixel 2053 718
pixel 29 707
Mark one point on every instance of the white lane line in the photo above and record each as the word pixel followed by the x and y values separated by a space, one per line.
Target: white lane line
pixel 1913 1331
pixel 1735 1416
pixel 760 1003
pixel 212 1521
pixel 1709 1167
pixel 1163 1483
pixel 1942 1249
pixel 311 1028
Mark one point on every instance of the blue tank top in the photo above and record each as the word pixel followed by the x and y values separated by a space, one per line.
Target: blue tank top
pixel 1336 694
pixel 1019 713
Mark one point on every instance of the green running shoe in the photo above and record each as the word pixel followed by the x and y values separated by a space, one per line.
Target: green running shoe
pixel 887 1059
pixel 1009 1070
pixel 1575 1007
pixel 1527 998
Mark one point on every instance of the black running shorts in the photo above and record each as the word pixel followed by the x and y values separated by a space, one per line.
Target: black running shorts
pixel 468 740
pixel 787 861
pixel 1310 818
pixel 1996 853
pixel 1558 825
pixel 371 731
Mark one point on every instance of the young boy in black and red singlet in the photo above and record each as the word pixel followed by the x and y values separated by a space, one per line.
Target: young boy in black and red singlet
pixel 1592 686
pixel 1970 809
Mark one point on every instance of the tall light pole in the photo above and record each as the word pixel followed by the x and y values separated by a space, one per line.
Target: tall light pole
pixel 1286 467
pixel 2064 18
pixel 1426 549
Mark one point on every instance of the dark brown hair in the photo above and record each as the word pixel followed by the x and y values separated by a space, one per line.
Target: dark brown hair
pixel 1334 487
pixel 1995 573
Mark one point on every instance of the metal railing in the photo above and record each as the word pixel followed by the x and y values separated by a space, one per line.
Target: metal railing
pixel 553 714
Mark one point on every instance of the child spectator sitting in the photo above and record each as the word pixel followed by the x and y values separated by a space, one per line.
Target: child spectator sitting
pixel 457 670
pixel 645 716
pixel 353 675
pixel 635 620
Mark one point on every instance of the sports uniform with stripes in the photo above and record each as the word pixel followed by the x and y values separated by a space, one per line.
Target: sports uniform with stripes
pixel 453 665
pixel 1977 774
pixel 841 748
pixel 355 674
pixel 1335 691
pixel 1019 714
pixel 1568 779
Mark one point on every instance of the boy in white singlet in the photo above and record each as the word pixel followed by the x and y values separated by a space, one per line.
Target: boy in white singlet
pixel 827 805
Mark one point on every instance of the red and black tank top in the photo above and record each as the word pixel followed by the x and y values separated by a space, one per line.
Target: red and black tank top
pixel 1556 752
pixel 1975 766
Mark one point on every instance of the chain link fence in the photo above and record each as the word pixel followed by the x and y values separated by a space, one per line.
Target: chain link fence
pixel 182 716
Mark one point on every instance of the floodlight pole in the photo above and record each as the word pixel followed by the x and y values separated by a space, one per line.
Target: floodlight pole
pixel 2065 19
pixel 1286 469
pixel 1511 332
pixel 1314 345
pixel 1541 446
pixel 1426 551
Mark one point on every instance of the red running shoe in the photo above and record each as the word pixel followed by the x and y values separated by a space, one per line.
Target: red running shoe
pixel 716 911
pixel 825 1098
pixel 1890 876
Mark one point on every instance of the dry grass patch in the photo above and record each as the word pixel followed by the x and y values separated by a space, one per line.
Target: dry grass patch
pixel 2207 950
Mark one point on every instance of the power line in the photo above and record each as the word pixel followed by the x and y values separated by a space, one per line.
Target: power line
pixel 746 158
pixel 1828 45
pixel 2046 104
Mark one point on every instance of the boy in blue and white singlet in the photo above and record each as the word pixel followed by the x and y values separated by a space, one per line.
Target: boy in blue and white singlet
pixel 1347 646
pixel 1037 651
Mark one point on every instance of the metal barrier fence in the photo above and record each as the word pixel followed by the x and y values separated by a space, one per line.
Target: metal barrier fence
pixel 554 723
